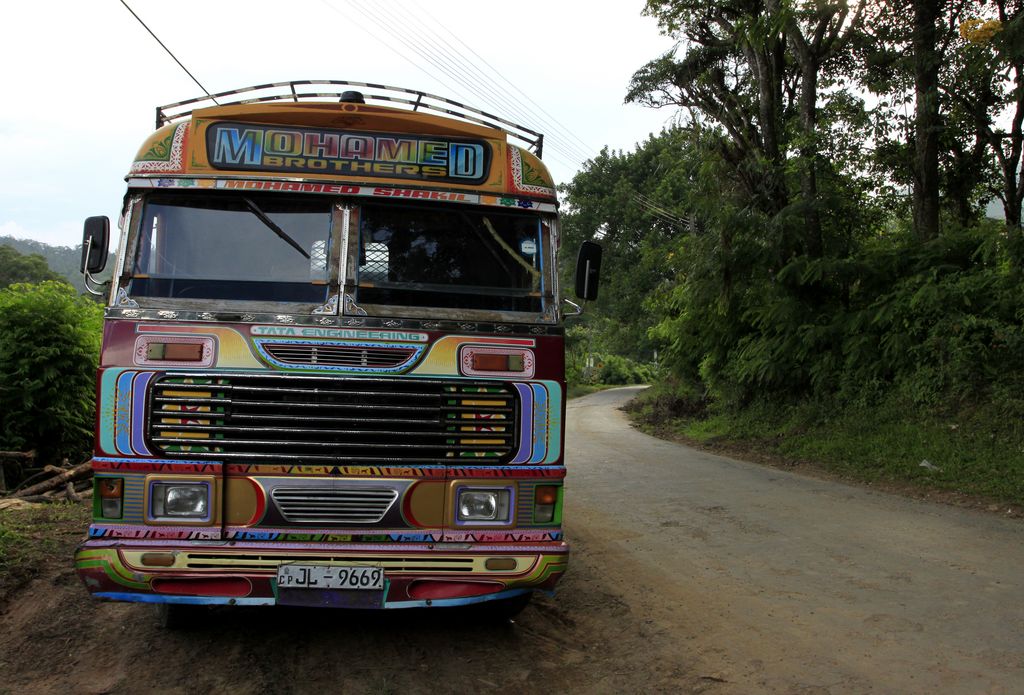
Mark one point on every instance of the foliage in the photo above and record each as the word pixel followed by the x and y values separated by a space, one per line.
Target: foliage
pixel 49 350
pixel 15 267
pixel 791 249
pixel 630 203
pixel 64 261
pixel 616 370
pixel 585 366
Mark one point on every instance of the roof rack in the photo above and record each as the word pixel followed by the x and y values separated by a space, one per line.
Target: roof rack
pixel 330 90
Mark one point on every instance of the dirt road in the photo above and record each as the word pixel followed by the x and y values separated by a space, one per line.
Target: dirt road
pixel 781 583
pixel 691 573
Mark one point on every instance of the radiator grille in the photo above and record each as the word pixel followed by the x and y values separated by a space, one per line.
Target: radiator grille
pixel 330 419
pixel 369 357
pixel 333 506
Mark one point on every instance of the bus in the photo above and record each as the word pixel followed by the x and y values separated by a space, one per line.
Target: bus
pixel 332 369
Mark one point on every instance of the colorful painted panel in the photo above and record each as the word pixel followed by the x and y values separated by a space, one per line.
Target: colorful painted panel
pixel 527 175
pixel 164 153
pixel 334 189
pixel 540 438
pixel 122 414
pixel 254 147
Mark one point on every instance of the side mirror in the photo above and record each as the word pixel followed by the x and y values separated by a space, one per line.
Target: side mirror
pixel 95 239
pixel 588 270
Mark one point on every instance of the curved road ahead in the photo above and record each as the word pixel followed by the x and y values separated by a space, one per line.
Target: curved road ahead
pixel 761 580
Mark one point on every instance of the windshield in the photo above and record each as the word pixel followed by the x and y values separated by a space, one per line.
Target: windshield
pixel 269 249
pixel 450 258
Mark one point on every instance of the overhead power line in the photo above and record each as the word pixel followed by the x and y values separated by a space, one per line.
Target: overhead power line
pixel 450 65
pixel 656 207
pixel 453 63
pixel 558 136
pixel 400 47
pixel 584 146
pixel 205 90
pixel 447 66
pixel 657 213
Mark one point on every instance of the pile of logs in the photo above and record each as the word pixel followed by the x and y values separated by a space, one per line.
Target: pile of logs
pixel 50 483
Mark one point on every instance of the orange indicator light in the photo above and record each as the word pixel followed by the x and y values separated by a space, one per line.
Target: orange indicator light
pixel 110 488
pixel 545 501
pixel 546 494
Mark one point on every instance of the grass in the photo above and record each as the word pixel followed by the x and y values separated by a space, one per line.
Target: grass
pixel 29 538
pixel 975 451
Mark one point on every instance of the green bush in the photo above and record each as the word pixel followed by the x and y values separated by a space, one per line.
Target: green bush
pixel 941 322
pixel 616 370
pixel 49 350
pixel 667 401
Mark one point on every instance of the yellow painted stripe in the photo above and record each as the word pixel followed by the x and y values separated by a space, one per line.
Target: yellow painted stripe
pixel 188 394
pixel 486 403
pixel 186 435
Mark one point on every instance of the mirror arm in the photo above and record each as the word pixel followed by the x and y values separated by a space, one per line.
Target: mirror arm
pixel 85 255
pixel 574 305
pixel 90 279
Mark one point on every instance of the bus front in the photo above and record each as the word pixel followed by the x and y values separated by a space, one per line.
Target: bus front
pixel 332 370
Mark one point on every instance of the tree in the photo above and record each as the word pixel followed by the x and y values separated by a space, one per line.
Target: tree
pixel 633 204
pixel 927 122
pixel 734 76
pixel 752 69
pixel 15 267
pixel 783 239
pixel 996 49
pixel 817 33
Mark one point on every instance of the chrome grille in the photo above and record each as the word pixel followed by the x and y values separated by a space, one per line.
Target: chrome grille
pixel 371 420
pixel 313 505
pixel 370 357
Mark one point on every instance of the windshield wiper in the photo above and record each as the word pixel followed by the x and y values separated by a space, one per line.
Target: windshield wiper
pixel 262 216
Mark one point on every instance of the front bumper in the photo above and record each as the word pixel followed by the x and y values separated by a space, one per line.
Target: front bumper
pixel 245 573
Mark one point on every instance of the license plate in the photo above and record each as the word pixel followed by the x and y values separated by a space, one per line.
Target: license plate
pixel 330 577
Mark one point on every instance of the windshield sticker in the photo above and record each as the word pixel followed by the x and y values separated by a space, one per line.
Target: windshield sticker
pixel 347 153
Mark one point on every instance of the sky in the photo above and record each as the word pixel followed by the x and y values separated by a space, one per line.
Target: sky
pixel 82 79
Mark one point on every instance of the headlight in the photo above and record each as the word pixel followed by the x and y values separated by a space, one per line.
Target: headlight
pixel 180 500
pixel 484 505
